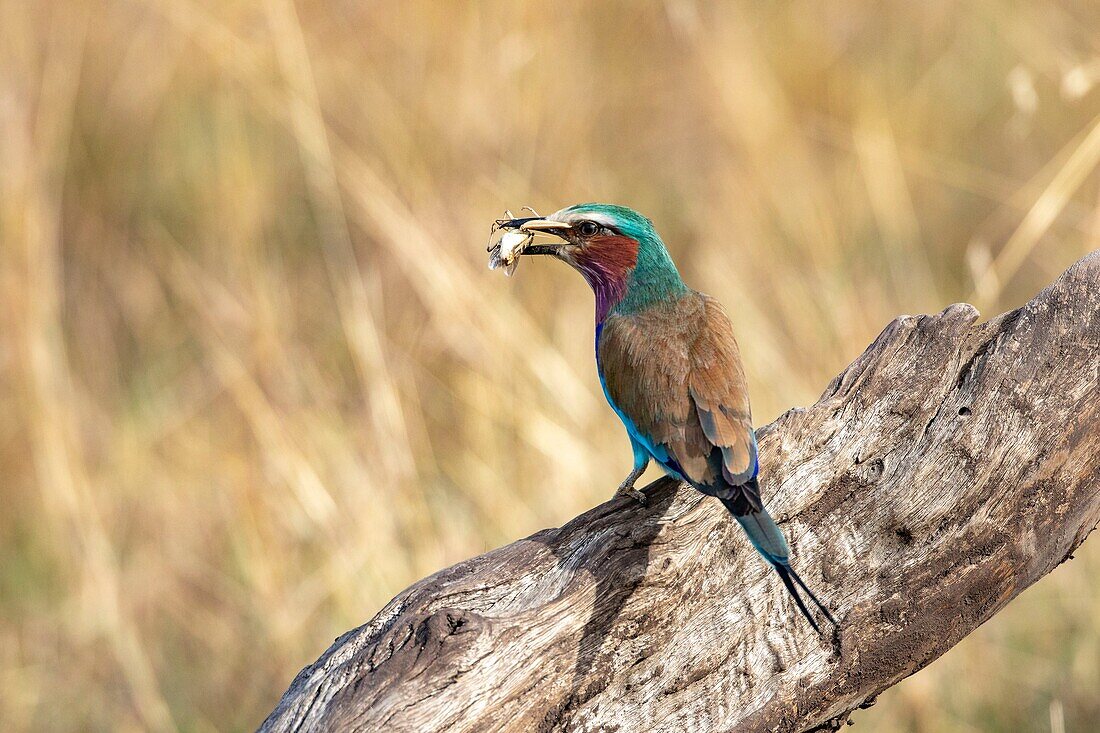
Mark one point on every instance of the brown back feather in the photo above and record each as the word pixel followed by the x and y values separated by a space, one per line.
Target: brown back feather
pixel 675 370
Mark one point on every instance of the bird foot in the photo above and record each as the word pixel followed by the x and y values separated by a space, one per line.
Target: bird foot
pixel 629 490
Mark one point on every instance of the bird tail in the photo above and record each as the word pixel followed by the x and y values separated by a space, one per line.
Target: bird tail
pixel 769 542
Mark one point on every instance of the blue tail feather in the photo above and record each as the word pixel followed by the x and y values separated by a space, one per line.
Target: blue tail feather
pixel 770 543
pixel 765 536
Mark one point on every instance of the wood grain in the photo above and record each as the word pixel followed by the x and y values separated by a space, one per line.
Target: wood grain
pixel 947 469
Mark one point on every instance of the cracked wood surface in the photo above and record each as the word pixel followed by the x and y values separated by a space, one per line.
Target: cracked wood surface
pixel 943 472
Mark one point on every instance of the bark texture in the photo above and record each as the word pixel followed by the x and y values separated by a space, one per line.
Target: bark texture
pixel 947 469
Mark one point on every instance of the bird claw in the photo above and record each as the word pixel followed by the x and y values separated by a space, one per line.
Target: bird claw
pixel 631 492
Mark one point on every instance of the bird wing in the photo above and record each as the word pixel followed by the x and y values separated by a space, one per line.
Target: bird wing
pixel 673 373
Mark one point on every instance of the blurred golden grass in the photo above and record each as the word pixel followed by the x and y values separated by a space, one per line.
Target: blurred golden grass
pixel 256 378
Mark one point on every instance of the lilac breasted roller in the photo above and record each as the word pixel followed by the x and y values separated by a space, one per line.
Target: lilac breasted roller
pixel 669 367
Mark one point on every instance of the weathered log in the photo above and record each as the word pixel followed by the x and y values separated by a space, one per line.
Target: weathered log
pixel 947 469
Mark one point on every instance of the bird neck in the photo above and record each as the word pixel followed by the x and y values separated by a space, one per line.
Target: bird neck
pixel 628 275
pixel 653 279
pixel 607 263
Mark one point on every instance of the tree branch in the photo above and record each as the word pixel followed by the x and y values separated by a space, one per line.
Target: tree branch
pixel 947 469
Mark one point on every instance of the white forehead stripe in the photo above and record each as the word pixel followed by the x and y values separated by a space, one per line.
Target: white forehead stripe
pixel 572 217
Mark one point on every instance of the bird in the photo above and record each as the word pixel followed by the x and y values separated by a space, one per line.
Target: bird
pixel 669 366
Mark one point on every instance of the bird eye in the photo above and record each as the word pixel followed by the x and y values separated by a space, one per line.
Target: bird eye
pixel 588 228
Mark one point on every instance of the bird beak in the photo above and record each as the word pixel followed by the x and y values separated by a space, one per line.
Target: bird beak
pixel 532 224
pixel 536 225
pixel 543 225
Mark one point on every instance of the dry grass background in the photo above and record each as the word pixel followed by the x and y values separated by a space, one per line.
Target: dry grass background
pixel 255 377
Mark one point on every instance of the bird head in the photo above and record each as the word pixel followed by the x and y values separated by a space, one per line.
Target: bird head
pixel 616 249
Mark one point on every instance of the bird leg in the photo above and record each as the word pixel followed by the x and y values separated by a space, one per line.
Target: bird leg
pixel 626 488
